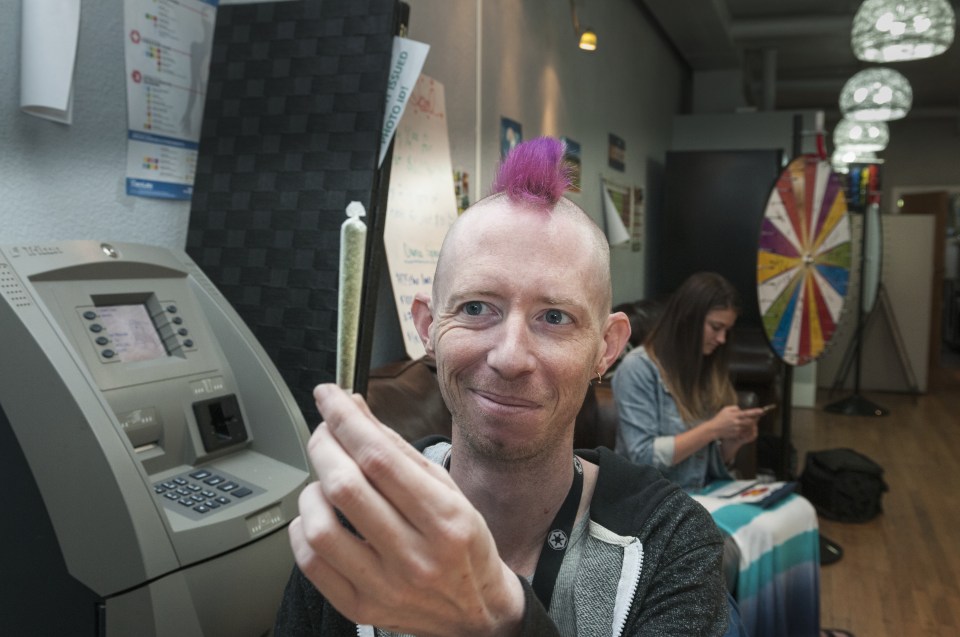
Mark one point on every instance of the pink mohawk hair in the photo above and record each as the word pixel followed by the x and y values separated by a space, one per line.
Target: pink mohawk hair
pixel 534 173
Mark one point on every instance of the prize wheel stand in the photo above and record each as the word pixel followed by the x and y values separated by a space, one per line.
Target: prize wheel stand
pixel 873 296
pixel 803 269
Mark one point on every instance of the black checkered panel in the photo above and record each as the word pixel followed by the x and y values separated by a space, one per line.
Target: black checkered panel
pixel 291 134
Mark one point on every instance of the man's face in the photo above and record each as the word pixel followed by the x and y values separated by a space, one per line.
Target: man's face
pixel 517 330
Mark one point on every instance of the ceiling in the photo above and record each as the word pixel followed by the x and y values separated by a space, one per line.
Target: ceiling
pixel 795 54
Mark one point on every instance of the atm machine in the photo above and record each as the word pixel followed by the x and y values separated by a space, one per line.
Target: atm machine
pixel 150 454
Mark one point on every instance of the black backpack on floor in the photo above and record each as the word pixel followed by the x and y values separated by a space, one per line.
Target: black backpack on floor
pixel 843 484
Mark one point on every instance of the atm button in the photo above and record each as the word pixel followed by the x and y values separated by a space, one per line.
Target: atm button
pixel 228 486
pixel 89 315
pixel 170 495
pixel 208 494
pixel 188 342
pixel 172 309
pixel 200 508
pixel 223 500
pixel 187 502
pixel 96 327
pixel 242 491
pixel 102 340
pixel 108 353
pixel 212 504
pixel 200 474
pixel 213 480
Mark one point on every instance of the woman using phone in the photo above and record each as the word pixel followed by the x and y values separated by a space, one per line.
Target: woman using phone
pixel 678 411
pixel 677 406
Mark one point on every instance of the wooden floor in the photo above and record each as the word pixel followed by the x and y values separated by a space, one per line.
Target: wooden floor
pixel 900 573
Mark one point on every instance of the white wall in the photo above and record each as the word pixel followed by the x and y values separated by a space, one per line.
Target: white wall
pixel 531 71
pixel 67 182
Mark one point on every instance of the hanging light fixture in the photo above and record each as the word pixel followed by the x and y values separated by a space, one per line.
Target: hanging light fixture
pixel 876 95
pixel 588 37
pixel 900 30
pixel 841 159
pixel 851 135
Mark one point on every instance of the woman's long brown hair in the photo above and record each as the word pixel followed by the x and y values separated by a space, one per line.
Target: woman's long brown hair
pixel 700 384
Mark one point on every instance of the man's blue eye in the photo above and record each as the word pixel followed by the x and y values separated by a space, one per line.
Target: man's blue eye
pixel 555 317
pixel 473 308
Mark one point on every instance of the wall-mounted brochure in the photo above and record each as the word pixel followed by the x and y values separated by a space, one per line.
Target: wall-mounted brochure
pixel 168 45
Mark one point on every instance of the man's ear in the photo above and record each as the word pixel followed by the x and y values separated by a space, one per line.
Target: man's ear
pixel 615 337
pixel 423 320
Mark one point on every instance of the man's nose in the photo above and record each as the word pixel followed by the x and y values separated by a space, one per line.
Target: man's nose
pixel 722 336
pixel 512 352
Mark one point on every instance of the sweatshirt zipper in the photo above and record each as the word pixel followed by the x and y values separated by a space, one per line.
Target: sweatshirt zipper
pixel 627 586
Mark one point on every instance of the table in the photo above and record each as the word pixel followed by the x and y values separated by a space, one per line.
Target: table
pixel 778 586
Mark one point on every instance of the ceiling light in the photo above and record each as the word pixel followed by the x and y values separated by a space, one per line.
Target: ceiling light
pixel 841 159
pixel 588 40
pixel 588 37
pixel 876 95
pixel 851 135
pixel 896 30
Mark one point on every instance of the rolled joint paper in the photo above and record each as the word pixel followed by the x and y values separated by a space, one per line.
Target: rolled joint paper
pixel 353 245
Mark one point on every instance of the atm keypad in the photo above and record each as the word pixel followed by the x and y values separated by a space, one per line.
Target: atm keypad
pixel 202 491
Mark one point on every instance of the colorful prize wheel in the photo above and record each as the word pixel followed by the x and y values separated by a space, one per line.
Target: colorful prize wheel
pixel 803 260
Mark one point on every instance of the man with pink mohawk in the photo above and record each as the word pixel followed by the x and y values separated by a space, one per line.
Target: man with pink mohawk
pixel 503 530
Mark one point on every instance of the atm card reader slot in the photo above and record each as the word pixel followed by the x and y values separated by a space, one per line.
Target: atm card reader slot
pixel 220 422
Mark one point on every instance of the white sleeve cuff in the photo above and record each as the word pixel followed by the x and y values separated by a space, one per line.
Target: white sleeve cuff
pixel 663 451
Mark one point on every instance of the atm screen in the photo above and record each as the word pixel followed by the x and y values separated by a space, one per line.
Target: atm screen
pixel 132 331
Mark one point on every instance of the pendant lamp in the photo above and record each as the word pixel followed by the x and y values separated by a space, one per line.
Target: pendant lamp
pixel 900 30
pixel 860 137
pixel 841 159
pixel 876 95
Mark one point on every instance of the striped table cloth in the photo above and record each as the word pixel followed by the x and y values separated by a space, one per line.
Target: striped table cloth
pixel 778 587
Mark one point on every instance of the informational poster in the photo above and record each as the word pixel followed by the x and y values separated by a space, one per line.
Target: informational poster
pixel 617 151
pixel 421 205
pixel 511 134
pixel 168 45
pixel 571 155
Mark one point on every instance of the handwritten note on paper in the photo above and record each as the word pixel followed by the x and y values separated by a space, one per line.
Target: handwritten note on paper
pixel 421 205
pixel 48 53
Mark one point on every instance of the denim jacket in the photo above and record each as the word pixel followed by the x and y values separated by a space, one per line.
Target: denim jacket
pixel 650 420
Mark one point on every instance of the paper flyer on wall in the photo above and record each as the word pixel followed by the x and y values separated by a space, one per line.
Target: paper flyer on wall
pixel 49 33
pixel 616 230
pixel 167 45
pixel 406 61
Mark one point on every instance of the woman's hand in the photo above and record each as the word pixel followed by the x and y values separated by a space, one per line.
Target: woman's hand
pixel 734 424
pixel 738 427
